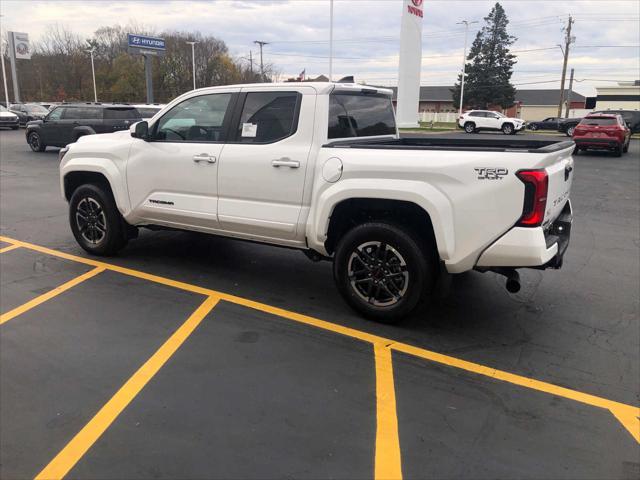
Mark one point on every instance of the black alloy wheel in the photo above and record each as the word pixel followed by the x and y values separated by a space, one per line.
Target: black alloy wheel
pixel 95 220
pixel 378 273
pixel 35 142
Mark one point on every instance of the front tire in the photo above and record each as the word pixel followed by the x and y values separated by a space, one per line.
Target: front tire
pixel 470 127
pixel 35 142
pixel 533 128
pixel 507 129
pixel 384 271
pixel 625 149
pixel 95 221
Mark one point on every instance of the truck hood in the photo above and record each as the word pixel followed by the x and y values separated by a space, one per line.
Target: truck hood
pixel 8 115
pixel 100 138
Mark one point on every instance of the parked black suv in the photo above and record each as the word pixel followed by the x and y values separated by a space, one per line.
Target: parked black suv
pixel 631 118
pixel 66 123
pixel 28 112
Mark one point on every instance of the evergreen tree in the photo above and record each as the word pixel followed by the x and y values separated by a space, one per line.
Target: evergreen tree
pixel 490 65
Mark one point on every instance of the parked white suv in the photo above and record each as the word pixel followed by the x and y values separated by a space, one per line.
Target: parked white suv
pixel 476 120
pixel 320 167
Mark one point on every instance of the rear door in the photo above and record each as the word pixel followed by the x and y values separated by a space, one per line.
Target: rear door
pixel 263 165
pixel 118 118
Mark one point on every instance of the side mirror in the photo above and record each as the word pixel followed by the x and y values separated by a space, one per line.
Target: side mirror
pixel 140 130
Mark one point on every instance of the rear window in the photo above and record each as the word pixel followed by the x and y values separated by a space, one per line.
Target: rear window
pixel 121 114
pixel 360 115
pixel 599 121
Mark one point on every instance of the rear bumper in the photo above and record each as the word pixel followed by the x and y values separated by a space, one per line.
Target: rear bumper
pixel 597 142
pixel 530 247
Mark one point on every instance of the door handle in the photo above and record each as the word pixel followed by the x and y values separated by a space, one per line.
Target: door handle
pixel 285 162
pixel 204 157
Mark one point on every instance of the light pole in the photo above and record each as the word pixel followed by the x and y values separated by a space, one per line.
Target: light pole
pixel 193 61
pixel 4 71
pixel 261 44
pixel 331 40
pixel 464 61
pixel 93 74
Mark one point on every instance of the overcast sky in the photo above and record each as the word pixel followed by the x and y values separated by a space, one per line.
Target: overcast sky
pixel 366 33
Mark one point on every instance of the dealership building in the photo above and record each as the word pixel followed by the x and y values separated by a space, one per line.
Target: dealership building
pixel 625 95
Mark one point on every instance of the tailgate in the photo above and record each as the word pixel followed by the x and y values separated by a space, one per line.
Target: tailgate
pixel 560 175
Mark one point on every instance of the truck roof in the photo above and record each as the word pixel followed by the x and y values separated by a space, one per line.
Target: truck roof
pixel 319 87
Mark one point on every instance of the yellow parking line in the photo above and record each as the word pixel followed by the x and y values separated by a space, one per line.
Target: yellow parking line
pixel 627 415
pixel 5 317
pixel 387 462
pixel 85 438
pixel 9 248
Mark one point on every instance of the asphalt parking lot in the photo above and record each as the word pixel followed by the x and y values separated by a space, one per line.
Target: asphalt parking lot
pixel 198 357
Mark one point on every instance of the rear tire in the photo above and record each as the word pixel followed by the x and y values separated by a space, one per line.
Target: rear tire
pixel 16 127
pixel 617 152
pixel 384 271
pixel 95 221
pixel 576 150
pixel 35 142
pixel 470 127
pixel 569 131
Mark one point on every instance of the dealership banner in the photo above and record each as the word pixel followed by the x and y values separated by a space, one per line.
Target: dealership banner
pixel 21 45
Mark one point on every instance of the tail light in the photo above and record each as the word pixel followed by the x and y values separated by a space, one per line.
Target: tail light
pixel 536 186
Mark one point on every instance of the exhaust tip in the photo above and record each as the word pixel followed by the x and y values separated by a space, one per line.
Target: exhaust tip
pixel 513 285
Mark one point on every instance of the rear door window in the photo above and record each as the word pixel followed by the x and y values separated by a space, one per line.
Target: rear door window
pixel 87 113
pixel 268 117
pixel 360 115
pixel 121 114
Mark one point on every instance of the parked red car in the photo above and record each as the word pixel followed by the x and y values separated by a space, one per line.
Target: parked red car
pixel 602 132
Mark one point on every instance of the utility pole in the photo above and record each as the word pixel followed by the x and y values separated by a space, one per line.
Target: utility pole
pixel 464 61
pixel 93 73
pixel 261 44
pixel 251 62
pixel 330 40
pixel 566 112
pixel 567 41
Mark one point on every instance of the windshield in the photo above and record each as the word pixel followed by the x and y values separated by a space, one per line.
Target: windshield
pixel 36 109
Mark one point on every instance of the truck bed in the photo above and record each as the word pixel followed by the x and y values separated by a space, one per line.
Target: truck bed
pixel 449 143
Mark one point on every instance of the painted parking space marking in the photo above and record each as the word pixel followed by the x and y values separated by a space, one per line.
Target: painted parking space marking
pixel 85 438
pixel 388 463
pixel 5 317
pixel 9 248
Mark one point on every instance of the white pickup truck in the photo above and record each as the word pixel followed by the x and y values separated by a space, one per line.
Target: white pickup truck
pixel 321 167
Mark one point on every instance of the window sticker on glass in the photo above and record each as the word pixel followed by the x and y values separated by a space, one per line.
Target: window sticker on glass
pixel 249 129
